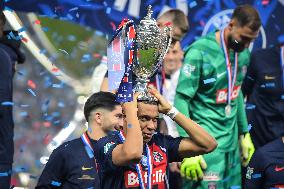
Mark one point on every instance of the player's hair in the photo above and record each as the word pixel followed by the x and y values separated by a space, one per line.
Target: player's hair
pixel 105 100
pixel 246 15
pixel 178 19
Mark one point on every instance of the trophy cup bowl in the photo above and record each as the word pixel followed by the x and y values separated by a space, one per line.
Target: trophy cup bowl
pixel 152 45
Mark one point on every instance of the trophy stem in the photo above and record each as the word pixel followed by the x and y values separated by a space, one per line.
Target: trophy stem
pixel 141 86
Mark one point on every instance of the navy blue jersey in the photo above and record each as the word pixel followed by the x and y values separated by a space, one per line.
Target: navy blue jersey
pixel 266 168
pixel 264 88
pixel 164 149
pixel 70 166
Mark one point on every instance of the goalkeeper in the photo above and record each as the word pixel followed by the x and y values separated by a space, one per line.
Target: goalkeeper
pixel 209 93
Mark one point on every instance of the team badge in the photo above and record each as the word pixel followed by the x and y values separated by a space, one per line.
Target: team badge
pixel 157 157
pixel 249 172
pixel 107 146
pixel 187 69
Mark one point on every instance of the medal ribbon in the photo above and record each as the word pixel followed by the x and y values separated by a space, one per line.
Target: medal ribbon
pixel 282 63
pixel 231 78
pixel 86 140
pixel 139 168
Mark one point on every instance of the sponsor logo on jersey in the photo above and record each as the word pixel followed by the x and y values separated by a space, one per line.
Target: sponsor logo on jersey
pixel 221 95
pixel 132 180
pixel 86 168
pixel 187 69
pixel 211 176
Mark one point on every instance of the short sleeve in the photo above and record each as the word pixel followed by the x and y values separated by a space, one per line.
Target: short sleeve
pixel 172 146
pixel 189 77
pixel 104 148
pixel 255 171
pixel 54 171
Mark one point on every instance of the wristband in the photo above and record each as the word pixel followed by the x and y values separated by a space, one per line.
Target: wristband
pixel 172 113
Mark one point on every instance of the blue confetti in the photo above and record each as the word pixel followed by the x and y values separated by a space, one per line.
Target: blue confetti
pixel 73 9
pixel 32 92
pixel 71 38
pixel 282 97
pixel 108 10
pixel 56 122
pixel 45 29
pixel 61 104
pixel 7 1
pixel 7 103
pixel 21 29
pixel 23 114
pixel 57 85
pixel 86 58
pixel 98 33
pixel 69 16
pixel 206 81
pixel 256 176
pixel 192 4
pixel 54 183
pixel 20 73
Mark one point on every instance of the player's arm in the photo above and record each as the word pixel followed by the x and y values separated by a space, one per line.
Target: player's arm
pixel 198 142
pixel 188 83
pixel 131 150
pixel 250 78
pixel 54 171
pixel 104 85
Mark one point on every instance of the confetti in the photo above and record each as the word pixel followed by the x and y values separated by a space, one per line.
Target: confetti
pixel 7 103
pixel 108 10
pixel 42 51
pixel 22 30
pixel 250 106
pixel 64 51
pixel 113 25
pixel 265 2
pixel 45 29
pixel 192 4
pixel 54 183
pixel 73 9
pixel 31 84
pixel 32 92
pixel 37 22
pixel 24 114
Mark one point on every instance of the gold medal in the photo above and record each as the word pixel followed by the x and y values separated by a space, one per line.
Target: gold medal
pixel 228 110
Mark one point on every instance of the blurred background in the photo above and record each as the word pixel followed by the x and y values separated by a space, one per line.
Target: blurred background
pixel 65 43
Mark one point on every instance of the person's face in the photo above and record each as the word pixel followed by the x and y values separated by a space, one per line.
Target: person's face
pixel 112 120
pixel 148 116
pixel 173 59
pixel 240 38
pixel 176 31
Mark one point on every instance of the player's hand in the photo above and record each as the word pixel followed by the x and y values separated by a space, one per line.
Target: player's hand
pixel 131 106
pixel 163 105
pixel 175 167
pixel 192 168
pixel 247 149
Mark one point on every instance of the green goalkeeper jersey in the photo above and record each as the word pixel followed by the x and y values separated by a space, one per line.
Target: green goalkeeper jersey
pixel 201 92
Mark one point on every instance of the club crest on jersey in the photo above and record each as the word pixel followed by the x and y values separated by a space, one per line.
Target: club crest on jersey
pixel 157 157
pixel 249 172
pixel 187 69
pixel 107 146
pixel 221 95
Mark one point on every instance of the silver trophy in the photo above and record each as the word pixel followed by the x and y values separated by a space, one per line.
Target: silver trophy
pixel 152 45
